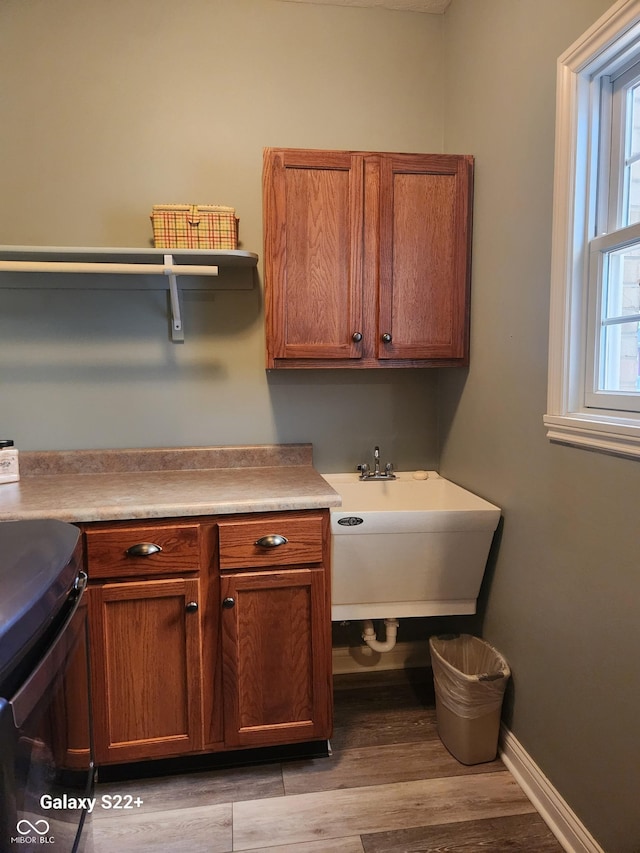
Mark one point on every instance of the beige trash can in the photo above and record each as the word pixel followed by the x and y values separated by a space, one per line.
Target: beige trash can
pixel 470 678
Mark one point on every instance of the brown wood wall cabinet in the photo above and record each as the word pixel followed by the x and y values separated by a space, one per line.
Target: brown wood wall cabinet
pixel 209 634
pixel 367 258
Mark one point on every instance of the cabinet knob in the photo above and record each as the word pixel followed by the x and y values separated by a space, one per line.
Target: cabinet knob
pixel 143 549
pixel 356 337
pixel 272 540
pixel 386 338
pixel 191 607
pixel 228 603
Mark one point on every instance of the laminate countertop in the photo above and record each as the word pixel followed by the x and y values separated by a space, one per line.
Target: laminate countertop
pixel 109 485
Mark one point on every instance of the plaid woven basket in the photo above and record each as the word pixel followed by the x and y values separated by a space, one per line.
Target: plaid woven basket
pixel 194 226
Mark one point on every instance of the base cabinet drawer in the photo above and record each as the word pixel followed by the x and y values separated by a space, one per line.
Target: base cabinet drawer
pixel 278 539
pixel 149 549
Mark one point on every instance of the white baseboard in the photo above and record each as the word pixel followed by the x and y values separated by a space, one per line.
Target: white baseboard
pixel 561 820
pixel 348 659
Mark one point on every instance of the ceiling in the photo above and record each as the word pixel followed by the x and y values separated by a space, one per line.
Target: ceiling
pixel 437 7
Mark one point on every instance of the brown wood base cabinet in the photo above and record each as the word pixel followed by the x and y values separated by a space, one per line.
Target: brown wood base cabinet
pixel 209 634
pixel 367 258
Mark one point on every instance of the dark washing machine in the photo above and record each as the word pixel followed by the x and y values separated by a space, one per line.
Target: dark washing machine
pixel 46 762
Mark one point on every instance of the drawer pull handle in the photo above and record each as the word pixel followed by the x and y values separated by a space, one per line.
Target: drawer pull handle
pixel 143 549
pixel 191 607
pixel 273 540
pixel 228 603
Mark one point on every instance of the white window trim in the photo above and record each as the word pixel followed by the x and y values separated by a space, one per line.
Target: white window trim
pixel 607 43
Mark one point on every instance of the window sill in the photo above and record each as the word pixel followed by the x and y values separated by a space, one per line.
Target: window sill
pixel 619 436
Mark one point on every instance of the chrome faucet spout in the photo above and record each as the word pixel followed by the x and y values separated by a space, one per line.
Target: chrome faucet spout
pixel 376 473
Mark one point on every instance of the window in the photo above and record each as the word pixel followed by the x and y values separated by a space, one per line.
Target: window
pixel 612 376
pixel 594 357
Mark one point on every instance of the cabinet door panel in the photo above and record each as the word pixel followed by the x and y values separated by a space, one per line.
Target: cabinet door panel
pixel 275 646
pixel 313 216
pixel 146 669
pixel 425 222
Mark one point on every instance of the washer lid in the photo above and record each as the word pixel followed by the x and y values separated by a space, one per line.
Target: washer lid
pixel 37 574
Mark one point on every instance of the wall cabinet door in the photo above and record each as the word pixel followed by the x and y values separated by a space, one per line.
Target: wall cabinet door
pixel 367 258
pixel 313 220
pixel 276 657
pixel 424 257
pixel 146 669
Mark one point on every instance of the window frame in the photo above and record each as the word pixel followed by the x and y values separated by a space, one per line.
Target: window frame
pixel 608 47
pixel 600 249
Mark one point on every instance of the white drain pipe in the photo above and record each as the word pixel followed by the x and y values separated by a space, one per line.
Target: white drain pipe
pixel 369 635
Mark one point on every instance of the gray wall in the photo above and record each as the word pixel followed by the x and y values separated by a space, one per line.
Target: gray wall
pixel 109 108
pixel 562 598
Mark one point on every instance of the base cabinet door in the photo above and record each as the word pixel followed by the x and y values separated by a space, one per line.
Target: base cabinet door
pixel 146 669
pixel 276 657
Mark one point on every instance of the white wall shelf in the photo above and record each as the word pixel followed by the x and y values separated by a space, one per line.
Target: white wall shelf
pixel 127 269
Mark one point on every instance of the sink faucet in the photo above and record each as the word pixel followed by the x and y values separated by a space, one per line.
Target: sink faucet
pixel 376 474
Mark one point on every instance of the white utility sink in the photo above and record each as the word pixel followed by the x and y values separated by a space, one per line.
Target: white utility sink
pixel 413 546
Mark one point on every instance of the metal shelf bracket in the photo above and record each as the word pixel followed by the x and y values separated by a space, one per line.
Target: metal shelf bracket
pixel 177 332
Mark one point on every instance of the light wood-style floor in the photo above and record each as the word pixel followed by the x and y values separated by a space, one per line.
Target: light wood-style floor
pixel 390 786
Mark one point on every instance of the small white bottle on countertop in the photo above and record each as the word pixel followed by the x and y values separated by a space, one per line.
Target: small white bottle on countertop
pixel 9 471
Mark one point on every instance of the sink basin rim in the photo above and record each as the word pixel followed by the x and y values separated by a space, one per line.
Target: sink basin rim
pixel 429 505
